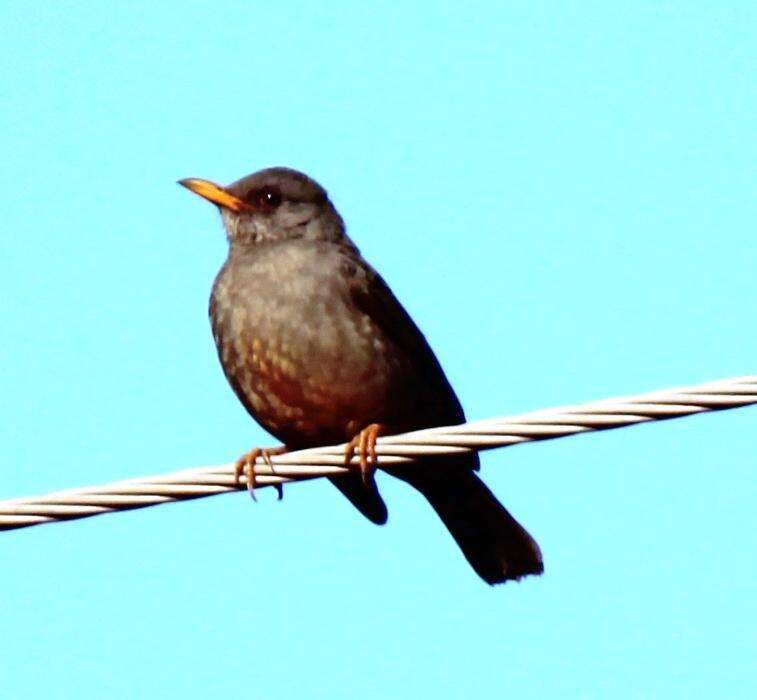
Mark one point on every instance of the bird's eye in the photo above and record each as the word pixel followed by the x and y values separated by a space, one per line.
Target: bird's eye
pixel 266 198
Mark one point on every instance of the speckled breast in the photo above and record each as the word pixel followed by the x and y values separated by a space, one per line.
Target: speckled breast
pixel 306 364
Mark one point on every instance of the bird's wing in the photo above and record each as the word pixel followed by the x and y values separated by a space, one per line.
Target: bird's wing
pixel 370 293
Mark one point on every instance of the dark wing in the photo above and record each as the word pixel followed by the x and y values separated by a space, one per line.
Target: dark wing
pixel 438 403
pixel 496 545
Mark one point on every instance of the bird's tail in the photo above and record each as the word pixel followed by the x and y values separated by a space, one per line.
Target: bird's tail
pixel 497 547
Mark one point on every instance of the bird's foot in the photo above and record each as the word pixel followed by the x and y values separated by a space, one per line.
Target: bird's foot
pixel 246 465
pixel 365 445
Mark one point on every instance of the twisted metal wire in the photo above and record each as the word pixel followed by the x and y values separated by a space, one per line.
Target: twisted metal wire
pixel 396 449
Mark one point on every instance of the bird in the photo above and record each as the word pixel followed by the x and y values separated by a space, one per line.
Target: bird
pixel 319 351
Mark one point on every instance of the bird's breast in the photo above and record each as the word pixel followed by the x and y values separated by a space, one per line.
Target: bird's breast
pixel 306 364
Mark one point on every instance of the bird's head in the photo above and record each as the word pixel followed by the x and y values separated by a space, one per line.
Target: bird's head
pixel 272 205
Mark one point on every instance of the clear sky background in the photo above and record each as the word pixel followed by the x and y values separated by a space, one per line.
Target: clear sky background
pixel 563 196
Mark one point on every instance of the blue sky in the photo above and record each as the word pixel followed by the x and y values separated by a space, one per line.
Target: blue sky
pixel 563 197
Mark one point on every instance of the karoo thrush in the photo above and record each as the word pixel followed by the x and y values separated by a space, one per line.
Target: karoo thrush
pixel 319 351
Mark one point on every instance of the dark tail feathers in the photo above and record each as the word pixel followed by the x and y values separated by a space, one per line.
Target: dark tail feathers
pixel 493 542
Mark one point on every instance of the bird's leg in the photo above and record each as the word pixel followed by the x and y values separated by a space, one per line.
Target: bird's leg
pixel 246 464
pixel 365 444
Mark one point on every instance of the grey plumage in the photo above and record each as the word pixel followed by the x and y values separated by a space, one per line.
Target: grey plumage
pixel 317 347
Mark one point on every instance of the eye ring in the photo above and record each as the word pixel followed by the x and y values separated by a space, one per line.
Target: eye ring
pixel 265 198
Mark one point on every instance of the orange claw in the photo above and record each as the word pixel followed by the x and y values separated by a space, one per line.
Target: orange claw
pixel 365 443
pixel 246 464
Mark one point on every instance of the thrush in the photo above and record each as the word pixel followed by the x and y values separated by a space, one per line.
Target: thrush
pixel 320 351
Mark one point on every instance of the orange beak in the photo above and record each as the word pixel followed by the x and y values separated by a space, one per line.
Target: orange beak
pixel 215 193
